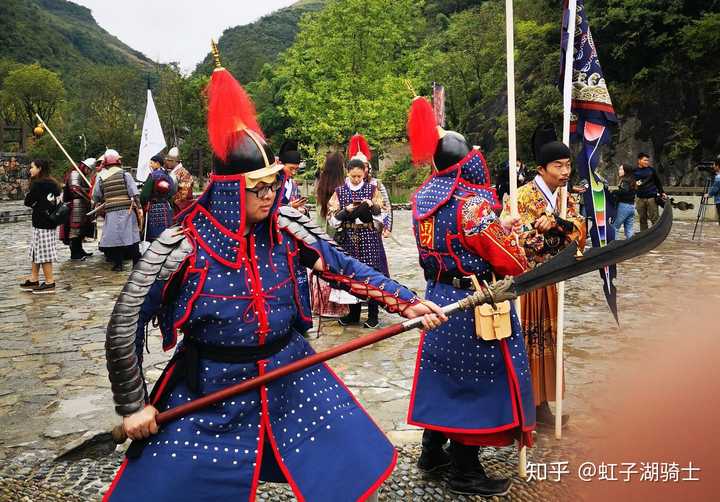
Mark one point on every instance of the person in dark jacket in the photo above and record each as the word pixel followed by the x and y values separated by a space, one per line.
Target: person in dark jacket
pixel 625 198
pixel 43 199
pixel 649 190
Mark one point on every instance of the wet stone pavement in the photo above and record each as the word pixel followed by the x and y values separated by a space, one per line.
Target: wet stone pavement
pixel 54 392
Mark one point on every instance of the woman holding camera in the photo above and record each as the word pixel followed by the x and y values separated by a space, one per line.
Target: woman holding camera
pixel 352 210
pixel 42 198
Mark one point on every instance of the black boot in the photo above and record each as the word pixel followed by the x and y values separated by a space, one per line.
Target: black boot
pixel 372 322
pixel 467 475
pixel 353 317
pixel 76 250
pixel 116 257
pixel 433 456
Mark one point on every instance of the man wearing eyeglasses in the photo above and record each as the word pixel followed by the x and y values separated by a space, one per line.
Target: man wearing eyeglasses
pixel 232 279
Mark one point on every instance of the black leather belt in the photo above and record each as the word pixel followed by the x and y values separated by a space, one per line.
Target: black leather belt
pixel 455 280
pixel 193 351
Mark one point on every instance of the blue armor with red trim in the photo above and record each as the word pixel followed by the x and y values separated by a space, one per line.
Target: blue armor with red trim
pixel 249 290
pixel 159 211
pixel 364 243
pixel 477 392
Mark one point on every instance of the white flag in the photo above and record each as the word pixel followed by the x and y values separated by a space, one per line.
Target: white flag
pixel 152 141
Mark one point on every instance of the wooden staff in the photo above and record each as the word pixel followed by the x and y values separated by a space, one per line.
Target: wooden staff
pixel 512 158
pixel 45 126
pixel 567 104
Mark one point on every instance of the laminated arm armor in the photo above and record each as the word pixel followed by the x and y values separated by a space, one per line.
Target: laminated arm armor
pixel 301 227
pixel 77 185
pixel 164 257
pixel 160 261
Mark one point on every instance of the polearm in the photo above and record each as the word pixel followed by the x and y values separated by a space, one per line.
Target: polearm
pixel 45 126
pixel 565 265
pixel 567 104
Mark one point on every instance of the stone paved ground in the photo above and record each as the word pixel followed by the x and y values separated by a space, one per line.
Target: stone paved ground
pixel 54 390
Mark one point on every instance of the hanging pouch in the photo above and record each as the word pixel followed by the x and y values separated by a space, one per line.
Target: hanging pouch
pixel 492 322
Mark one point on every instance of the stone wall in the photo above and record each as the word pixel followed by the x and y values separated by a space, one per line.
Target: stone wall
pixel 14 176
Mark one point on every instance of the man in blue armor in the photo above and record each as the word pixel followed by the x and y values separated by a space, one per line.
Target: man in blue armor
pixel 471 384
pixel 232 279
pixel 156 195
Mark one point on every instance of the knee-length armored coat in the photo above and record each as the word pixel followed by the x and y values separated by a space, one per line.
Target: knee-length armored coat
pixel 475 391
pixel 240 298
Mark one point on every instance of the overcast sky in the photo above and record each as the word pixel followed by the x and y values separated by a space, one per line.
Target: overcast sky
pixel 176 30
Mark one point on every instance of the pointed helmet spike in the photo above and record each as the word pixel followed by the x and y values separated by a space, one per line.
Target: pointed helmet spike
pixel 215 53
pixel 422 131
pixel 231 112
pixel 358 143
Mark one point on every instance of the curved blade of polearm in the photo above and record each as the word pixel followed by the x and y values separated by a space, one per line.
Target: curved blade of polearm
pixel 568 264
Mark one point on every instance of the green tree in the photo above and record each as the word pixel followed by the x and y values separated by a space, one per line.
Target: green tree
pixel 346 71
pixel 108 110
pixel 660 60
pixel 468 58
pixel 31 89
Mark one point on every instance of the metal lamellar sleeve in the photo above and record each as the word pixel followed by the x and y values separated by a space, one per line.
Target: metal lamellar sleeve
pixel 301 227
pixel 159 261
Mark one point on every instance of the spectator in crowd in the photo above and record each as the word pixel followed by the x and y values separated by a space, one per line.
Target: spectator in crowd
pixel 715 188
pixel 43 198
pixel 625 198
pixel 649 191
pixel 331 177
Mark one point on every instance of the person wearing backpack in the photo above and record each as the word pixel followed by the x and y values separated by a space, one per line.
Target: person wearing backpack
pixel 43 199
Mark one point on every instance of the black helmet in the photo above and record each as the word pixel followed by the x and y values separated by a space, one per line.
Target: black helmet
pixel 451 149
pixel 250 153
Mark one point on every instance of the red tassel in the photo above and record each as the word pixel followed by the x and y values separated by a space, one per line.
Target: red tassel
pixel 230 112
pixel 422 131
pixel 358 143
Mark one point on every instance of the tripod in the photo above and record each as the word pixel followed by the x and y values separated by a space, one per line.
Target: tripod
pixel 702 210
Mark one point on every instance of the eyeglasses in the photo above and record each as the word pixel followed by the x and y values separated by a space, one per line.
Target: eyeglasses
pixel 262 189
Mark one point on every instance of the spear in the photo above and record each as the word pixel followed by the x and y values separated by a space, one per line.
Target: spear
pixel 567 264
pixel 45 126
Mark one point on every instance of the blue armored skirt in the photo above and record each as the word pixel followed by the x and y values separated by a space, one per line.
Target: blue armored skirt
pixel 466 385
pixel 305 429
pixel 364 244
pixel 160 217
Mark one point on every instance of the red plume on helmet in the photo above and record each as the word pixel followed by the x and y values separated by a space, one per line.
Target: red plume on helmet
pixel 231 112
pixel 422 131
pixel 358 143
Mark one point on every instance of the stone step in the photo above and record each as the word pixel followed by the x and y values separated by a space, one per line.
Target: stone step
pixel 15 218
pixel 14 211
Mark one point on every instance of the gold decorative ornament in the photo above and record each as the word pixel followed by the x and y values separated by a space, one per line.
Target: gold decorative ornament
pixel 39 130
pixel 215 53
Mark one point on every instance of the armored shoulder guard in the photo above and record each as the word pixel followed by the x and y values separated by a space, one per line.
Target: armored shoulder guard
pixel 301 227
pixel 163 257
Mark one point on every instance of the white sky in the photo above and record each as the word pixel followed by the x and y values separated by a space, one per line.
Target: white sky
pixel 176 30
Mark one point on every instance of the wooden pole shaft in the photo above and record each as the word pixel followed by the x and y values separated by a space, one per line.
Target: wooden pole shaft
pixel 567 104
pixel 63 149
